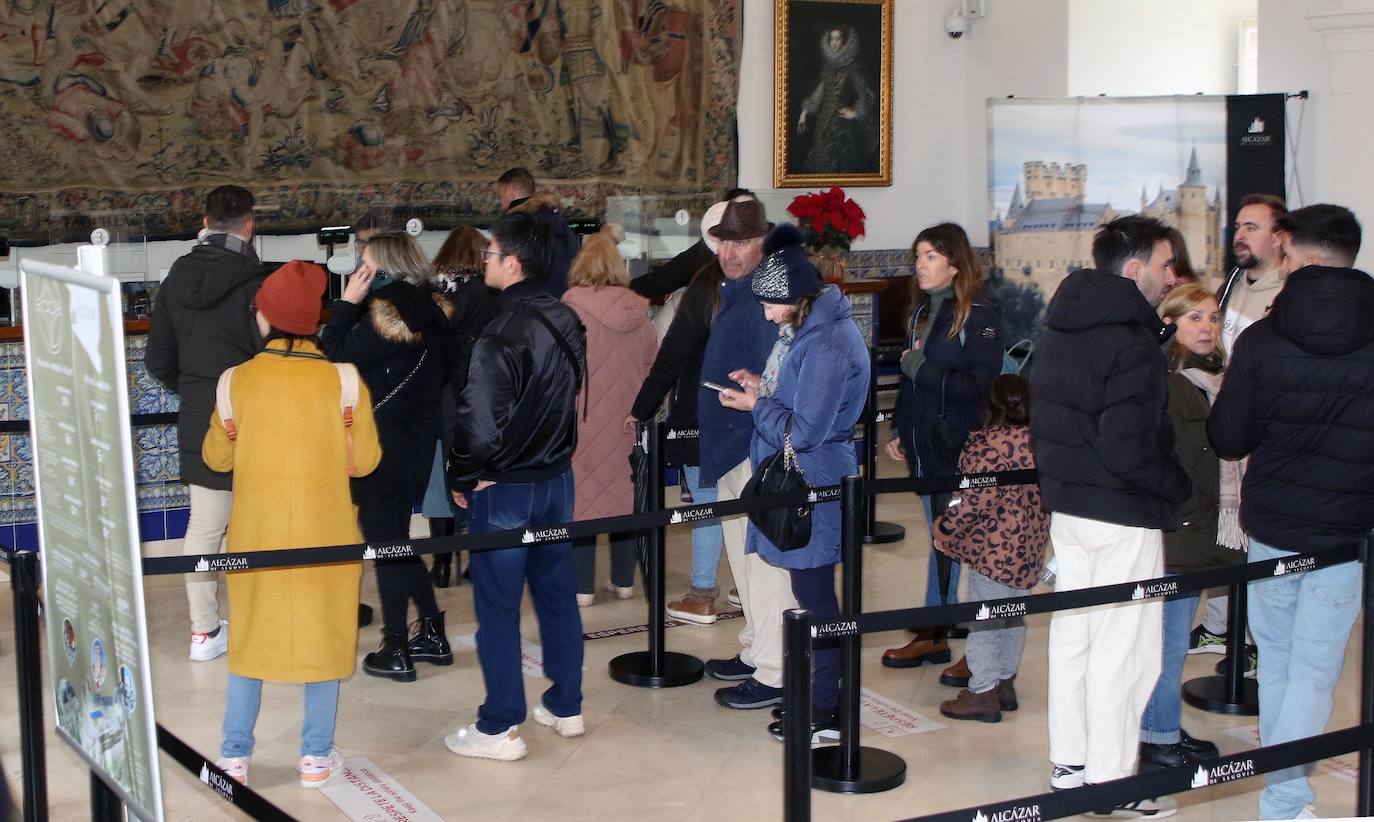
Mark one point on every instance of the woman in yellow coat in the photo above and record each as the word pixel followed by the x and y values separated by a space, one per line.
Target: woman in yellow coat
pixel 289 451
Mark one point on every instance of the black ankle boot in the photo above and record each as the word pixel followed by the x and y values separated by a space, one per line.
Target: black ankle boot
pixel 440 570
pixel 391 660
pixel 429 643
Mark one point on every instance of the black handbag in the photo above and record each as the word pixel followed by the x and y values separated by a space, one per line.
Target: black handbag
pixel 788 528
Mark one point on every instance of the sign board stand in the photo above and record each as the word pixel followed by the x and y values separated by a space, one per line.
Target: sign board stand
pixel 96 623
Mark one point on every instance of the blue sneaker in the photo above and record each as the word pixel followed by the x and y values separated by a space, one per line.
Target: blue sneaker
pixel 749 695
pixel 729 670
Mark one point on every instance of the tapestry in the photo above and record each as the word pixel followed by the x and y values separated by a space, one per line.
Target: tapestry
pixel 326 109
pixel 1058 170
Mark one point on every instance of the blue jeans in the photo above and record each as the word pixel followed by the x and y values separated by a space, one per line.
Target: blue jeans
pixel 1301 623
pixel 1163 717
pixel 706 536
pixel 242 699
pixel 498 582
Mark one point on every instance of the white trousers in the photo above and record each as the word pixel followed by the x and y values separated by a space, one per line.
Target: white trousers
pixel 1104 661
pixel 205 535
pixel 764 591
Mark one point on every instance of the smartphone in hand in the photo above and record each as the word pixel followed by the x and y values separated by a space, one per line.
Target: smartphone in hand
pixel 717 387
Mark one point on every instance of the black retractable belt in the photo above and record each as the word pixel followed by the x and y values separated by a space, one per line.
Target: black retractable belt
pixel 876 532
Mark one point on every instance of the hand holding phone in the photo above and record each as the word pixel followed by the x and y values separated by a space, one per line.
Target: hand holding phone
pixel 717 387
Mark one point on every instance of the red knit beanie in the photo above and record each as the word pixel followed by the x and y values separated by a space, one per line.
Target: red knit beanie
pixel 290 297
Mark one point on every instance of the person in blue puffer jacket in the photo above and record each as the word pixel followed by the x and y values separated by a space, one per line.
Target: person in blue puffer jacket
pixel 812 388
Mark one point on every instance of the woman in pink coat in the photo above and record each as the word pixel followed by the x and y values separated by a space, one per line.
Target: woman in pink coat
pixel 621 345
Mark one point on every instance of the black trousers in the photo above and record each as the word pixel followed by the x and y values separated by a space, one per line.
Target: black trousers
pixel 402 580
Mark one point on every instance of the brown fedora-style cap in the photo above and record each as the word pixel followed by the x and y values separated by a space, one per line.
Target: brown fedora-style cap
pixel 742 220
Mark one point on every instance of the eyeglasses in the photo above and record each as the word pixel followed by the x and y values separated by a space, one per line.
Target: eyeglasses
pixel 486 254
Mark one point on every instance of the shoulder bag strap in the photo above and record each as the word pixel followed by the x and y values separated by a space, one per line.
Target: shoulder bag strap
pixel 567 352
pixel 223 406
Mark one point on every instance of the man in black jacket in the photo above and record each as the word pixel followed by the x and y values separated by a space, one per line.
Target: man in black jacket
pixel 1299 401
pixel 1108 474
pixel 515 190
pixel 511 467
pixel 202 325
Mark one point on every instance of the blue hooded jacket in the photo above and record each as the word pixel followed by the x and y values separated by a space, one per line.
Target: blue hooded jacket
pixel 741 337
pixel 822 385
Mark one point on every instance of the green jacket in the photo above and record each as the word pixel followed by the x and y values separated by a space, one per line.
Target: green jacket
pixel 1194 545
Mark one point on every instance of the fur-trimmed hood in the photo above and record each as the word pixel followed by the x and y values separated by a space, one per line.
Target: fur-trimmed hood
pixel 402 313
pixel 536 201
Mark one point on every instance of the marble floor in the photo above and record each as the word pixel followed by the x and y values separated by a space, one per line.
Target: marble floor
pixel 668 754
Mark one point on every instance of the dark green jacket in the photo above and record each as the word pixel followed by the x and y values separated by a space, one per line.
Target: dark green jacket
pixel 1194 545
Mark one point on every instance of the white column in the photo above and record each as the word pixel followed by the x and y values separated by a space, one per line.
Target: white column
pixel 1348 35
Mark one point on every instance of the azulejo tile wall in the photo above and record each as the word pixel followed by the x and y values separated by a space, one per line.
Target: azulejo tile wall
pixel 162 499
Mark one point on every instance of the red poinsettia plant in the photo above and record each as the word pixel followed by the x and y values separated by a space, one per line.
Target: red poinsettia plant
pixel 828 219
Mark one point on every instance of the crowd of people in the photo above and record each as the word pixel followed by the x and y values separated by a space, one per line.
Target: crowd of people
pixel 501 386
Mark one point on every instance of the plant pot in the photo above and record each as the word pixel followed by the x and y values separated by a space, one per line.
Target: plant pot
pixel 830 262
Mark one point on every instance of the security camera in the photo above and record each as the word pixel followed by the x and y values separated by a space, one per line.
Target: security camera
pixel 956 24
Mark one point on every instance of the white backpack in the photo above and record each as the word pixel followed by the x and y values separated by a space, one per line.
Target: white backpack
pixel 348 400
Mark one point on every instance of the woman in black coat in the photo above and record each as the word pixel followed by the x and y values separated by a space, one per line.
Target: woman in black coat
pixel 390 326
pixel 954 354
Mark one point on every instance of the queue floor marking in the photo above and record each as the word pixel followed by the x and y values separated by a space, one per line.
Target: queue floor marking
pixel 365 793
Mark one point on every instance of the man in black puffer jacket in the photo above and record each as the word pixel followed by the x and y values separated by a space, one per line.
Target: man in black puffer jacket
pixel 1299 401
pixel 511 467
pixel 202 325
pixel 1108 474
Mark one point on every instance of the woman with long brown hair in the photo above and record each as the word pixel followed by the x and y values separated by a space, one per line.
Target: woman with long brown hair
pixel 954 353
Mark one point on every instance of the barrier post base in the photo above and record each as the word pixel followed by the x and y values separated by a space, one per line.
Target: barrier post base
pixel 876 770
pixel 1208 693
pixel 881 533
pixel 637 669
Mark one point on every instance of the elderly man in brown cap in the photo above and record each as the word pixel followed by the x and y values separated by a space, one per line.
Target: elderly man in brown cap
pixel 740 339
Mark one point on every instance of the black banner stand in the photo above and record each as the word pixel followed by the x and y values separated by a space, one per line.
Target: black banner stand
pixel 875 532
pixel 1364 790
pixel 1231 693
pixel 796 719
pixel 847 767
pixel 28 663
pixel 655 668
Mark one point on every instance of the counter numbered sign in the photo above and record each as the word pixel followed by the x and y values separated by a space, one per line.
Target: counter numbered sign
pixel 87 525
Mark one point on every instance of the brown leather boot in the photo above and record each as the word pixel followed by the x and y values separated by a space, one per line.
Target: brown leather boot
pixel 968 705
pixel 1006 694
pixel 956 675
pixel 929 646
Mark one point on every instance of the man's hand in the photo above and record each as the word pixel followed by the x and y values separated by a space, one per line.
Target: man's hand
pixel 629 424
pixel 895 451
pixel 461 500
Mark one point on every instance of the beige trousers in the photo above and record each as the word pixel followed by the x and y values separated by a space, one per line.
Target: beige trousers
pixel 205 535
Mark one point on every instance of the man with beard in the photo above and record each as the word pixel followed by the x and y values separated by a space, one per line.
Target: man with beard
pixel 841 113
pixel 1258 274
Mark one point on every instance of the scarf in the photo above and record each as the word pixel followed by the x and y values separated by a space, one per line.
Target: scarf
pixel 228 242
pixel 1229 532
pixel 768 380
pixel 913 359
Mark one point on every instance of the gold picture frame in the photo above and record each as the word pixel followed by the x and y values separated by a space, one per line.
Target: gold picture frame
pixel 832 93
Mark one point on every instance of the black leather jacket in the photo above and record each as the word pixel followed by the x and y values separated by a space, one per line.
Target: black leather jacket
pixel 517 414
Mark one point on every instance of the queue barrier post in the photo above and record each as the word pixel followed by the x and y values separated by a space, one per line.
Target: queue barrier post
pixel 1230 693
pixel 1364 788
pixel 796 720
pixel 876 532
pixel 29 668
pixel 848 767
pixel 655 668
pixel 105 803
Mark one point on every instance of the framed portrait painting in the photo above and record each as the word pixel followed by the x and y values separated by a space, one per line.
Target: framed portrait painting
pixel 833 93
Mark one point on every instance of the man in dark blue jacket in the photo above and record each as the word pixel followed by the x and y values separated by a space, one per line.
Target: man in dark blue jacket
pixel 515 190
pixel 741 338
pixel 1299 401
pixel 1108 474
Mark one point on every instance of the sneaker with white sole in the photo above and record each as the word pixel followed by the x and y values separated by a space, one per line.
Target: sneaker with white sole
pixel 1307 812
pixel 236 767
pixel 317 770
pixel 1066 777
pixel 1144 809
pixel 1203 641
pixel 205 647
pixel 732 597
pixel 696 607
pixel 506 746
pixel 564 726
pixel 620 592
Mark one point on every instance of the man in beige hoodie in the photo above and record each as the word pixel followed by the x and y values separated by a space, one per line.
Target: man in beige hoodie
pixel 1258 276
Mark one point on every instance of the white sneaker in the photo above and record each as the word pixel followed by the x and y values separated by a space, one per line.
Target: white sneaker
pixel 733 597
pixel 205 647
pixel 564 726
pixel 586 600
pixel 1066 777
pixel 506 746
pixel 620 593
pixel 317 770
pixel 1307 812
pixel 1159 808
pixel 236 767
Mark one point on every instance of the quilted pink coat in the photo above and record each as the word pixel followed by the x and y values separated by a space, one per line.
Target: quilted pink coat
pixel 621 345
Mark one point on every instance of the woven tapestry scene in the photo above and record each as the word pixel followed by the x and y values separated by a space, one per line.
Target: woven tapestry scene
pixel 327 108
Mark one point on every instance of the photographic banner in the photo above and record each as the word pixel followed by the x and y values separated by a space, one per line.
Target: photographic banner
pixel 87 524
pixel 1059 169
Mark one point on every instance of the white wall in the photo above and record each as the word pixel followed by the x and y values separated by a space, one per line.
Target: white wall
pixel 1156 47
pixel 939 140
pixel 1293 57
